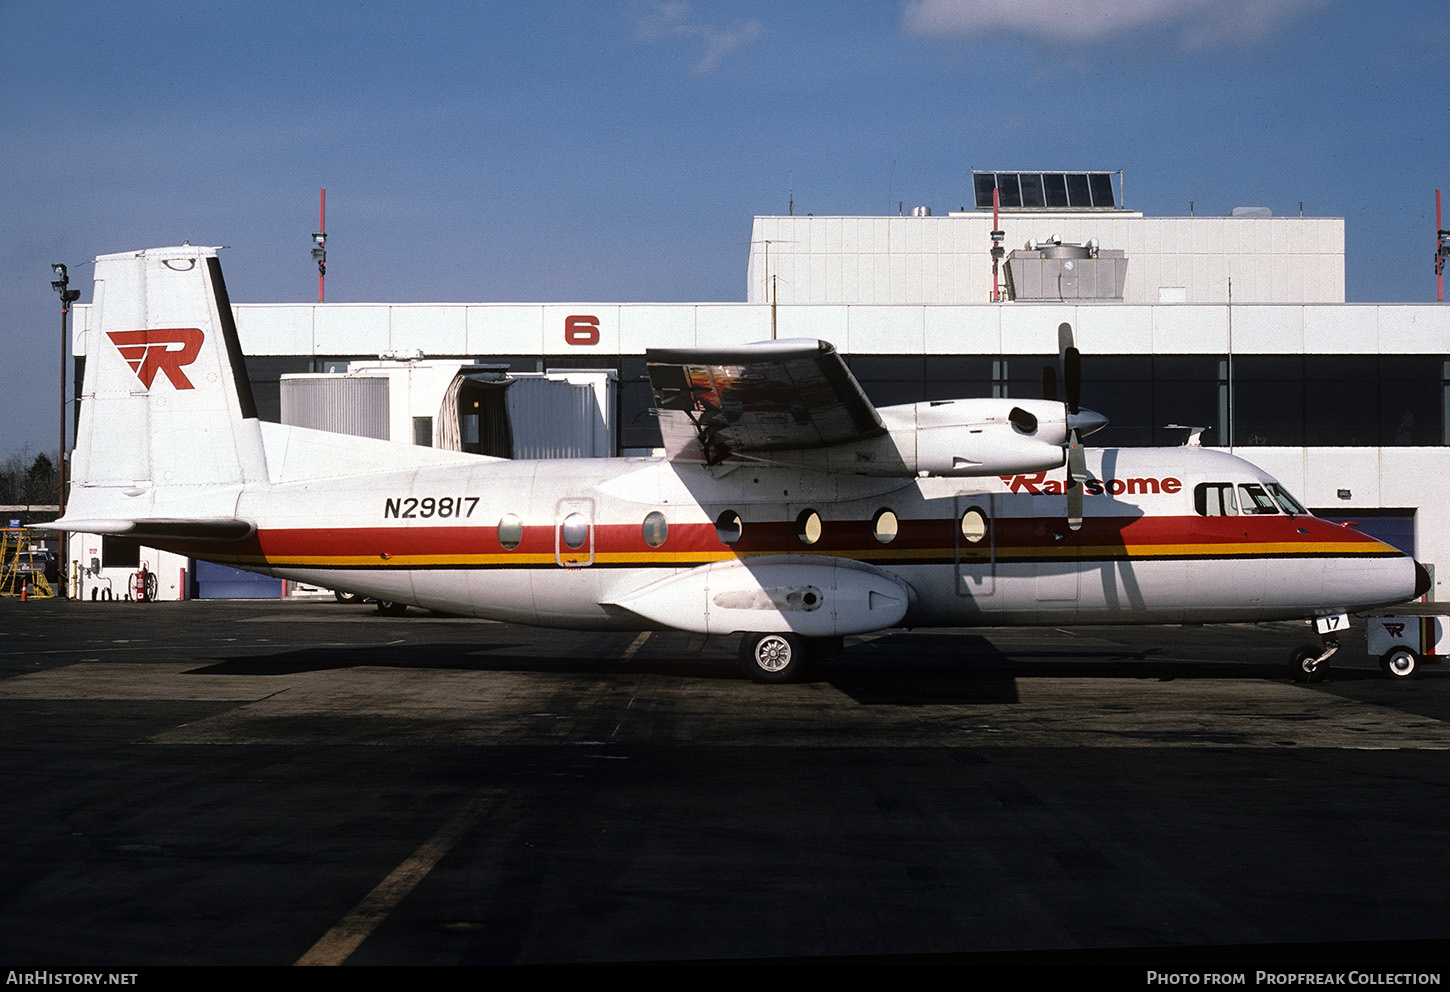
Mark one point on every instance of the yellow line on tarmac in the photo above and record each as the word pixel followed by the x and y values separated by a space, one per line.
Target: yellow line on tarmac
pixel 337 945
pixel 634 647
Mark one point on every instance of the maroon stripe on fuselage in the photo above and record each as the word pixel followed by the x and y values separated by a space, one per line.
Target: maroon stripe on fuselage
pixel 916 540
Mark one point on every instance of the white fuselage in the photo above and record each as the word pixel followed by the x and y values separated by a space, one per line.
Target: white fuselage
pixel 579 543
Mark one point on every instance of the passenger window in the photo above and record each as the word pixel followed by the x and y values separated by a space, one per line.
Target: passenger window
pixel 1288 503
pixel 1215 499
pixel 1256 500
pixel 729 527
pixel 808 527
pixel 884 526
pixel 574 531
pixel 510 531
pixel 655 528
pixel 974 525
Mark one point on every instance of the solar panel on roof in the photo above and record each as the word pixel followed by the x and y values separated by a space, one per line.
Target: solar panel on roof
pixel 1009 193
pixel 984 183
pixel 1032 190
pixel 1056 187
pixel 1045 190
pixel 1077 190
pixel 1102 189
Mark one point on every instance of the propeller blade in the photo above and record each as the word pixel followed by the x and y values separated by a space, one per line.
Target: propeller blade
pixel 1049 383
pixel 1076 472
pixel 1072 376
pixel 1076 457
pixel 1064 339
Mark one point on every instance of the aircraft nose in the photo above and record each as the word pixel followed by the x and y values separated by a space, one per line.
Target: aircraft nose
pixel 1422 580
pixel 1086 421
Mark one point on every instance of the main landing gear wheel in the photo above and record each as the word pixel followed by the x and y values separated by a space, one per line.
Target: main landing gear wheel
pixel 774 657
pixel 1302 667
pixel 1400 663
pixel 388 608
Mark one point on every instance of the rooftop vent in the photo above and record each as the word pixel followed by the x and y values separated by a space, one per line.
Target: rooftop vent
pixel 1054 270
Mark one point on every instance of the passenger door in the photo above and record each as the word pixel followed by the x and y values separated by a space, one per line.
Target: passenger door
pixel 574 533
pixel 975 530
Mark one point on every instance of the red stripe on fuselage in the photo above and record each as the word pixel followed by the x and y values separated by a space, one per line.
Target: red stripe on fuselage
pixel 916 539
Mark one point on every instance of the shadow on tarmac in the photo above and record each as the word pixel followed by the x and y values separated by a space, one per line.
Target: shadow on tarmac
pixel 905 668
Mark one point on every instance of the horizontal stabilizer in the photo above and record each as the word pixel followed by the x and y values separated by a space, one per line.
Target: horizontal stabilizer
pixel 224 529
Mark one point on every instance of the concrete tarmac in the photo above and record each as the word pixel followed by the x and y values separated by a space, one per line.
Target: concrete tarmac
pixel 272 783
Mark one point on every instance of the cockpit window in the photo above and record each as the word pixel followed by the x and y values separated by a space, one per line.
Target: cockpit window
pixel 1289 504
pixel 1256 500
pixel 1215 499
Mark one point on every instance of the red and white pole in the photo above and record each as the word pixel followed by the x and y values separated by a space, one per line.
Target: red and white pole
pixel 321 229
pixel 997 239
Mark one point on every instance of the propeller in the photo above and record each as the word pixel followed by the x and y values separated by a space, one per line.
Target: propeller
pixel 1080 422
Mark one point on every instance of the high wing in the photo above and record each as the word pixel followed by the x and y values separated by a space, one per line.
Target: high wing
pixel 775 396
pixel 796 403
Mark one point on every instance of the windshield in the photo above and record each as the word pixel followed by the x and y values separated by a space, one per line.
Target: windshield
pixel 1289 503
pixel 1255 500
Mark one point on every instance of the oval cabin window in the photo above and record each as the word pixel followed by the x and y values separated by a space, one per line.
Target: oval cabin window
pixel 884 526
pixel 574 531
pixel 974 525
pixel 655 528
pixel 510 531
pixel 728 527
pixel 808 527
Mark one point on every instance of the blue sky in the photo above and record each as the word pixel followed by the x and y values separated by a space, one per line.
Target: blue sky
pixel 618 149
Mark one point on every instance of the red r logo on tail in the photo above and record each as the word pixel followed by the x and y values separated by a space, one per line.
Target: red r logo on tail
pixel 164 349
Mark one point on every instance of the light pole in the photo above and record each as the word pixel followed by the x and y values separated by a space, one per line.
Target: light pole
pixel 61 284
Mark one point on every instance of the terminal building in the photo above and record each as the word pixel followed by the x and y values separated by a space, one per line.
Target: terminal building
pixel 1229 331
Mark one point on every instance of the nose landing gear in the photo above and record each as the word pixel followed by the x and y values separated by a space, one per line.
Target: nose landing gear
pixel 1310 662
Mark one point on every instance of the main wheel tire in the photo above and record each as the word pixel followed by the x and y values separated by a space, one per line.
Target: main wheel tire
pixel 774 657
pixel 1400 663
pixel 388 608
pixel 345 597
pixel 1301 668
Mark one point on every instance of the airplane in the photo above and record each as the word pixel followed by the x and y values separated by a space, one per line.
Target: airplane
pixel 786 508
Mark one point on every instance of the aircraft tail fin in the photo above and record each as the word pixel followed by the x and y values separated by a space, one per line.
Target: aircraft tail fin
pixel 165 405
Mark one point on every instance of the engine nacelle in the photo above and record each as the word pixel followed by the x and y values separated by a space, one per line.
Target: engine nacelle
pixel 972 437
pixel 978 437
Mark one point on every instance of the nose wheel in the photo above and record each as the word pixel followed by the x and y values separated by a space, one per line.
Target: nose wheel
pixel 1307 663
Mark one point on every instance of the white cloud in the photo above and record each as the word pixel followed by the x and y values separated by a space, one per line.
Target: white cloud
pixel 667 19
pixel 1192 23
